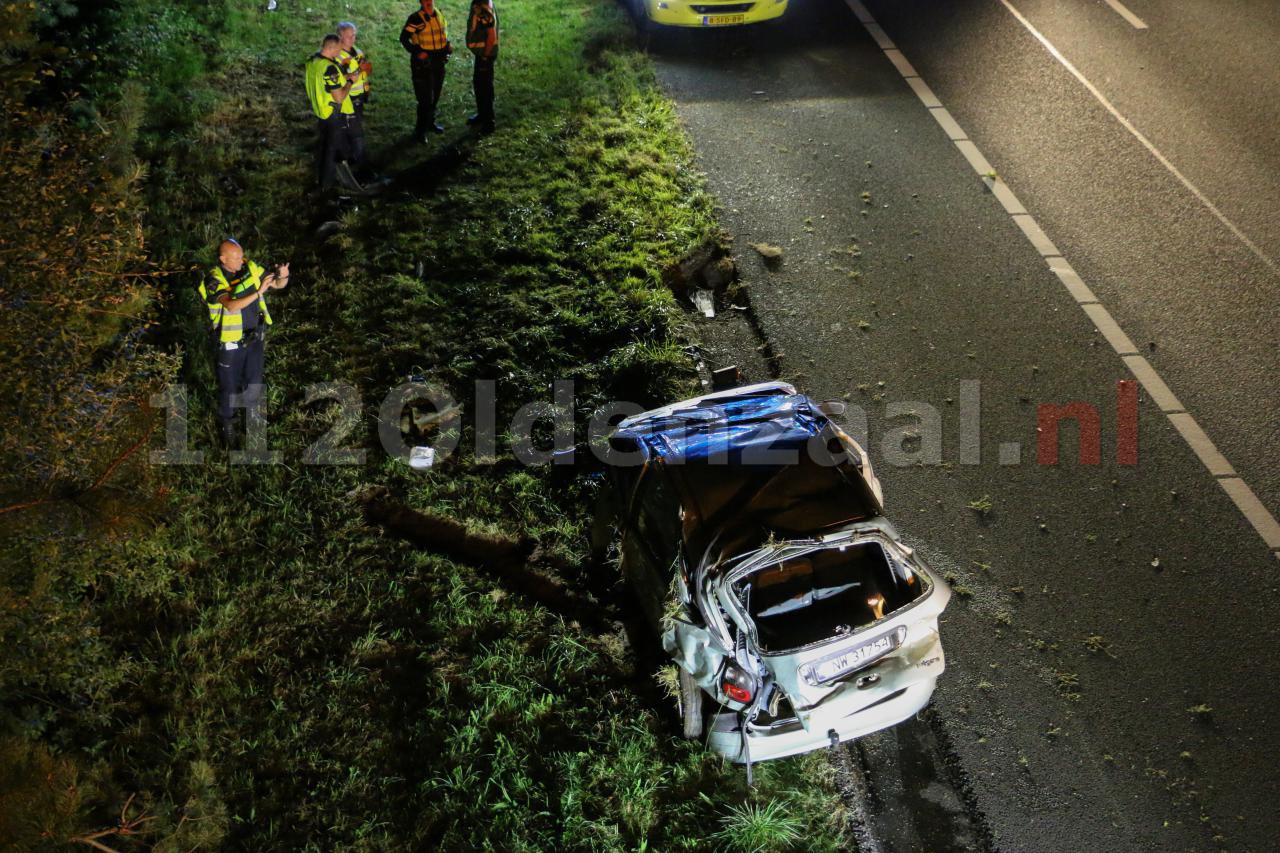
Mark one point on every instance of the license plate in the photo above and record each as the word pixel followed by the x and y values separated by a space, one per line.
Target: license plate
pixel 831 668
pixel 722 20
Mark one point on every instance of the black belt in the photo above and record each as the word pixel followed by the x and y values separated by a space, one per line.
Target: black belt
pixel 256 334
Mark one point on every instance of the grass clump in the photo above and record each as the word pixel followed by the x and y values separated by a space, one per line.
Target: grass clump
pixel 758 828
pixel 982 506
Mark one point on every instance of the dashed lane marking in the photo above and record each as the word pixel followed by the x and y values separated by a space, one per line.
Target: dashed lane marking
pixel 1261 519
pixel 949 126
pixel 1156 389
pixel 1217 465
pixel 1200 444
pixel 1075 285
pixel 923 92
pixel 1110 329
pixel 1004 195
pixel 1036 235
pixel 1138 23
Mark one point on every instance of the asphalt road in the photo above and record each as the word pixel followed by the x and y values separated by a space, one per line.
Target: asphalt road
pixel 1111 665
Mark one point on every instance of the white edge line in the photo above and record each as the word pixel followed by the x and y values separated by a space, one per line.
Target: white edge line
pixel 1138 23
pixel 1068 276
pixel 1109 328
pixel 923 92
pixel 1237 490
pixel 1257 514
pixel 860 12
pixel 950 126
pixel 1035 234
pixel 1154 385
pixel 900 62
pixel 1004 195
pixel 974 156
pixel 882 38
pixel 1190 430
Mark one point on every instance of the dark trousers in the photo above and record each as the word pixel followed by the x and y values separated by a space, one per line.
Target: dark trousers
pixel 357 156
pixel 341 138
pixel 240 371
pixel 482 83
pixel 428 80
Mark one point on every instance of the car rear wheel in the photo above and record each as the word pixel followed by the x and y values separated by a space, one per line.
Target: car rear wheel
pixel 690 705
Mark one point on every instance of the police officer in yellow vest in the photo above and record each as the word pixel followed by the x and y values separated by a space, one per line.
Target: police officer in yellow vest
pixel 356 63
pixel 428 45
pixel 482 41
pixel 235 294
pixel 329 89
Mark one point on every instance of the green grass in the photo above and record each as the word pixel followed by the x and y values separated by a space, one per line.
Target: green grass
pixel 253 661
pixel 759 828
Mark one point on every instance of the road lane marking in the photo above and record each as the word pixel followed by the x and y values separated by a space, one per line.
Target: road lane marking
pixel 1004 195
pixel 1035 234
pixel 1138 23
pixel 1146 143
pixel 1197 440
pixel 882 38
pixel 923 92
pixel 949 126
pixel 1262 520
pixel 1156 389
pixel 1190 430
pixel 974 156
pixel 1109 328
pixel 860 12
pixel 900 62
pixel 1069 277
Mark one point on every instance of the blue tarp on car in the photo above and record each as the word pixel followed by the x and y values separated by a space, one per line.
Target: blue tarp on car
pixel 757 430
pixel 759 463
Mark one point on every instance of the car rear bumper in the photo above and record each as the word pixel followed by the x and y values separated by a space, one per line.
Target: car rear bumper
pixel 682 13
pixel 790 738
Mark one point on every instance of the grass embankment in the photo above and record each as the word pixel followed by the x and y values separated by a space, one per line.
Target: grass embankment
pixel 265 668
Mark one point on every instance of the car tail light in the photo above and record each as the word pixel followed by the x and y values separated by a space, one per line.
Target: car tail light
pixel 735 683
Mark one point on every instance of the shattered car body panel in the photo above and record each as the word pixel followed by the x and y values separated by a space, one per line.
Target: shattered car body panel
pixel 754 536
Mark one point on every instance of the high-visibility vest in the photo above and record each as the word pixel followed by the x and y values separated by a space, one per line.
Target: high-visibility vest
pixel 482 30
pixel 354 62
pixel 427 33
pixel 230 325
pixel 323 76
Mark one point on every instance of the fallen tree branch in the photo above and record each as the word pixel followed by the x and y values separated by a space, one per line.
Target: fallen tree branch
pixel 111 469
pixel 127 827
pixel 505 558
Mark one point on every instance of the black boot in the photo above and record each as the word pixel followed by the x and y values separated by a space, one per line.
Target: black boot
pixel 227 435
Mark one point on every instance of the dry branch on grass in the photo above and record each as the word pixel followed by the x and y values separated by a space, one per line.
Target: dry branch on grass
pixel 511 560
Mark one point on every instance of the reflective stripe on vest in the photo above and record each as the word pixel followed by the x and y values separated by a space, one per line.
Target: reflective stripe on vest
pixel 323 72
pixel 354 63
pixel 482 28
pixel 230 325
pixel 428 33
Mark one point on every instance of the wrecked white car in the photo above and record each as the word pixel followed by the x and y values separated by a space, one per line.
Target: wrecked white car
pixel 753 535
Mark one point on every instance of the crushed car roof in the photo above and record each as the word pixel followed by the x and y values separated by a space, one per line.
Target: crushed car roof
pixel 752 464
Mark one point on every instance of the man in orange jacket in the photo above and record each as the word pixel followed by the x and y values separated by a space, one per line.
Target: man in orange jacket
pixel 428 45
pixel 482 40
